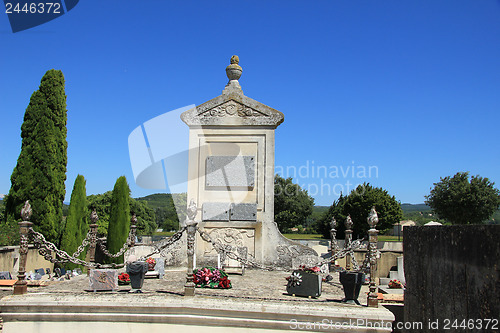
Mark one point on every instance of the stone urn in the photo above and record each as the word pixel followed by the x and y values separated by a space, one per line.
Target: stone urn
pixel 136 270
pixel 233 71
pixel 351 281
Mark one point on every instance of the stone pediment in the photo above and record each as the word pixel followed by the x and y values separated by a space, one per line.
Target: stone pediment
pixel 232 108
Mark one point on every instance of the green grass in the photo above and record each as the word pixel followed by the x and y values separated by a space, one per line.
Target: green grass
pixel 303 236
pixel 385 238
pixel 163 233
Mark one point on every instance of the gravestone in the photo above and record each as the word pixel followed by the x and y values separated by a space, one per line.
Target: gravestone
pixel 231 175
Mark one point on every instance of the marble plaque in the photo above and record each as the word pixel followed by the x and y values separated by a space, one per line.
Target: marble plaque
pixel 243 212
pixel 216 211
pixel 230 171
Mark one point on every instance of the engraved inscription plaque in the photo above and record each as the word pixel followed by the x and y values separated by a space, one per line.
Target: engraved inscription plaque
pixel 230 171
pixel 216 211
pixel 243 212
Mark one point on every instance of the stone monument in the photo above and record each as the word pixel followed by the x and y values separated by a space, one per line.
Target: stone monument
pixel 231 176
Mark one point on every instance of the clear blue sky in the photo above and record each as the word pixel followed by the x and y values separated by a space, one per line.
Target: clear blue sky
pixel 409 87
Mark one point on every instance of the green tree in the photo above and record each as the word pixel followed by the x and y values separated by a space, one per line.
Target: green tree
pixel 464 200
pixel 358 204
pixel 292 204
pixel 119 217
pixel 76 227
pixel 102 204
pixel 41 167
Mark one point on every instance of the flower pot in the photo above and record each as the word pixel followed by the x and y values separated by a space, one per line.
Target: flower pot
pixel 304 284
pixel 151 266
pixel 136 271
pixel 351 281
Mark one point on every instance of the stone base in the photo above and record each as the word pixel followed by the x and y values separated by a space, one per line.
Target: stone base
pixel 116 312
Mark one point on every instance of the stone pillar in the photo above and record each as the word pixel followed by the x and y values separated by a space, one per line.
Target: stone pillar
pixel 373 241
pixel 21 286
pixel 189 287
pixel 333 236
pixel 348 241
pixel 93 238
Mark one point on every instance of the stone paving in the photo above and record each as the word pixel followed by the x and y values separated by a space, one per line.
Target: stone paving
pixel 254 284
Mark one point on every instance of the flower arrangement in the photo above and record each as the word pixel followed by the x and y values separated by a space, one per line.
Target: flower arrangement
pixel 123 278
pixel 314 270
pixel 395 284
pixel 209 277
pixel 151 263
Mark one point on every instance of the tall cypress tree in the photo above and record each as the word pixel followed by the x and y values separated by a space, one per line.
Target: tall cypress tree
pixel 41 167
pixel 76 227
pixel 119 217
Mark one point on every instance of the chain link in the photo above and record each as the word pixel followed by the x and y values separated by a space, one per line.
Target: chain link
pixel 84 244
pixel 161 245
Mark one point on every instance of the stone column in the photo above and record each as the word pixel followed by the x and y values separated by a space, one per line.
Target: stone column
pixel 21 285
pixel 93 238
pixel 191 224
pixel 373 240
pixel 348 241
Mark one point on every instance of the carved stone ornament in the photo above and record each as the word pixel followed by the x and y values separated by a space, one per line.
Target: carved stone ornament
pixel 333 223
pixel 26 211
pixel 373 218
pixel 232 109
pixel 234 238
pixel 93 217
pixel 192 210
pixel 348 222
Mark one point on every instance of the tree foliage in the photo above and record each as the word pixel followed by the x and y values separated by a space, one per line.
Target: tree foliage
pixel 292 204
pixel 76 226
pixel 358 204
pixel 41 167
pixel 119 217
pixel 146 224
pixel 464 200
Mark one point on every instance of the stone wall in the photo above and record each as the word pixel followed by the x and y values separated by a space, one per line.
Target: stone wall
pixel 9 260
pixel 452 272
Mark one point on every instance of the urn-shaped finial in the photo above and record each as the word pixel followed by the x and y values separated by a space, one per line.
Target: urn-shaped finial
pixel 333 223
pixel 373 218
pixel 348 222
pixel 234 70
pixel 26 211
pixel 93 217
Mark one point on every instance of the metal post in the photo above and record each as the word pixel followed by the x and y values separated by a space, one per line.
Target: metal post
pixel 21 285
pixel 133 230
pixel 333 235
pixel 348 240
pixel 373 240
pixel 191 224
pixel 93 237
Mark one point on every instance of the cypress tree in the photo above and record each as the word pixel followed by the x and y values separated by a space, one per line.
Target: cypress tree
pixel 119 217
pixel 76 226
pixel 41 167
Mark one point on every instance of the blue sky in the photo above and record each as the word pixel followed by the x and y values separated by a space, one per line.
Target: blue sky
pixel 408 88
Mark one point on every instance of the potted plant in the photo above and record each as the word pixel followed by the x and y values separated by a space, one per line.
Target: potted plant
pixel 305 282
pixel 209 277
pixel 351 281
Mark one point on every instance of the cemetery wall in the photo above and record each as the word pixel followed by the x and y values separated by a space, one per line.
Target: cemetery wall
pixel 452 273
pixel 9 260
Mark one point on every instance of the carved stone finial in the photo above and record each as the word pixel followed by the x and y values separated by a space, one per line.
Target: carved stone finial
pixel 133 219
pixel 348 222
pixel 333 223
pixel 93 217
pixel 26 211
pixel 372 218
pixel 192 210
pixel 233 71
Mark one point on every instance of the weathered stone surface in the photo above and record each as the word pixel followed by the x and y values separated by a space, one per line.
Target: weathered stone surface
pixel 216 211
pixel 232 171
pixel 452 272
pixel 243 212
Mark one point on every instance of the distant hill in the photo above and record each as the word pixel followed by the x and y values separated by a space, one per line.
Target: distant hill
pixel 410 208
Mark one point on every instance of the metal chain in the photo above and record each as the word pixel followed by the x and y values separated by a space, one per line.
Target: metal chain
pixel 46 248
pixel 107 253
pixel 84 244
pixel 161 245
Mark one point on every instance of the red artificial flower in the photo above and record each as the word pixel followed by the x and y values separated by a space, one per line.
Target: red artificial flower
pixel 224 283
pixel 195 279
